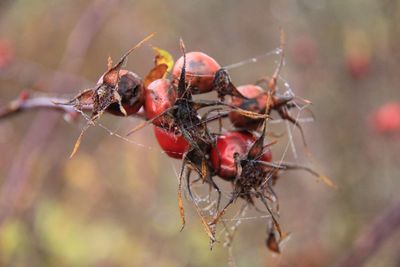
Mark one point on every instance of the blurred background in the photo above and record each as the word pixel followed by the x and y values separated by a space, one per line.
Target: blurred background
pixel 114 203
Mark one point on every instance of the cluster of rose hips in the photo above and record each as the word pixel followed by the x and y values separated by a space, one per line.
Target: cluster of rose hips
pixel 181 125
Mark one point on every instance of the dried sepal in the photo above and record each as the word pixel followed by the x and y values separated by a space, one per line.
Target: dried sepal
pixel 84 98
pixel 292 166
pixel 148 122
pixel 272 242
pixel 79 141
pixel 251 114
pixel 209 229
pixel 224 86
pixel 111 77
pixel 181 208
pixel 182 78
pixel 258 146
pixel 118 99
pixel 204 170
pixel 109 63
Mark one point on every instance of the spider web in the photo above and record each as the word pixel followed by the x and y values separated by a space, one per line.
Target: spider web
pixel 206 202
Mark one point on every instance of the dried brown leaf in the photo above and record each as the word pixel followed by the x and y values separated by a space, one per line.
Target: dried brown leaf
pixel 78 142
pixel 157 72
pixel 272 243
pixel 206 225
pixel 181 209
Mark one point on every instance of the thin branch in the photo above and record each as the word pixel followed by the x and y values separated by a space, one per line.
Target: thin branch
pixel 26 103
pixel 40 102
pixel 372 238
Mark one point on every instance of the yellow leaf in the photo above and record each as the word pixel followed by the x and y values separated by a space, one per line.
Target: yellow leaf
pixel 163 57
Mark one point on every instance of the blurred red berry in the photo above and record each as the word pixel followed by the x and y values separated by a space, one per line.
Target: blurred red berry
pixel 358 66
pixel 304 50
pixel 386 119
pixel 23 95
pixel 6 53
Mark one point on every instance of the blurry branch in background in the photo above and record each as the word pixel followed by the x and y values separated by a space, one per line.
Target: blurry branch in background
pixel 78 43
pixel 38 101
pixel 372 238
pixel 26 102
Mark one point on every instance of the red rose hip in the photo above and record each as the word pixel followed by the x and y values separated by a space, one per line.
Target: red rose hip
pixel 200 71
pixel 172 143
pixel 222 155
pixel 160 96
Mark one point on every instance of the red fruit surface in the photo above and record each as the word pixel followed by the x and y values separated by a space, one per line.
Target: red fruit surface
pixel 227 145
pixel 200 71
pixel 160 95
pixel 173 144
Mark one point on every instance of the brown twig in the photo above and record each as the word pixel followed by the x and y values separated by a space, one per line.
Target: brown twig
pixel 372 238
pixel 43 124
pixel 44 102
pixel 37 102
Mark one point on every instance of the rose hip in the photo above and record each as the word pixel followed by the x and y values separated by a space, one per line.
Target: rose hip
pixel 222 155
pixel 172 143
pixel 200 71
pixel 160 96
pixel 130 89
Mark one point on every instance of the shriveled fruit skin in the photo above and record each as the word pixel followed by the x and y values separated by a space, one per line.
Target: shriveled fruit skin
pixel 131 90
pixel 256 102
